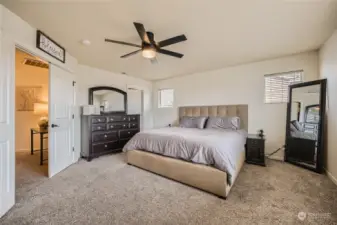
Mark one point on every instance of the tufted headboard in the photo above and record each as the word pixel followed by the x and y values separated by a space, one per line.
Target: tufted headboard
pixel 218 110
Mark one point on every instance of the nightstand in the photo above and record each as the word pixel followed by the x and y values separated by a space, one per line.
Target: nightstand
pixel 255 150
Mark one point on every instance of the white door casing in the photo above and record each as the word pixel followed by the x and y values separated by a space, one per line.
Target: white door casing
pixel 7 122
pixel 61 126
pixel 7 148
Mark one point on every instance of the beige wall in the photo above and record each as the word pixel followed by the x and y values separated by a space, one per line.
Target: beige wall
pixel 328 69
pixel 24 120
pixel 242 84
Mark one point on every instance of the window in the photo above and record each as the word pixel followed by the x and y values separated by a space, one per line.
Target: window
pixel 165 98
pixel 312 114
pixel 276 85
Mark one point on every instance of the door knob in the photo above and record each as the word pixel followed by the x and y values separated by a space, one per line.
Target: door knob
pixel 54 125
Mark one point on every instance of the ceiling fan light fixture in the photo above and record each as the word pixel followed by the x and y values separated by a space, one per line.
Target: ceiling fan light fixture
pixel 149 53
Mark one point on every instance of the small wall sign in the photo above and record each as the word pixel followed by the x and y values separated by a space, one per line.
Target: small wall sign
pixel 49 46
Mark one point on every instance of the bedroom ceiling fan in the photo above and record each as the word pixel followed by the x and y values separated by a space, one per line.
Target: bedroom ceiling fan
pixel 149 46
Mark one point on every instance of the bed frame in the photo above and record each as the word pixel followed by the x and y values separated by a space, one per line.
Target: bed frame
pixel 200 176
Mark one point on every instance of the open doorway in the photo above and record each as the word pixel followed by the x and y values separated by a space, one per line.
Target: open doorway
pixel 31 119
pixel 136 103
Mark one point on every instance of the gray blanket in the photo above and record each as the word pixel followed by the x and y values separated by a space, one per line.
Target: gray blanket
pixel 218 148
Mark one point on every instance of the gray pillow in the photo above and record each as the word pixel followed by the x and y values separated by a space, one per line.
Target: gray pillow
pixel 297 125
pixel 232 123
pixel 292 127
pixel 193 122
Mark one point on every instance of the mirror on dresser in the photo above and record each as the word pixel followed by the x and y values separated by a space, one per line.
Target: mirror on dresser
pixel 109 99
pixel 305 122
pixel 109 131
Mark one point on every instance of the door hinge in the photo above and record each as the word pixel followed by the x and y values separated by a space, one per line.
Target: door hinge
pixel 74 82
pixel 73 149
pixel 73 116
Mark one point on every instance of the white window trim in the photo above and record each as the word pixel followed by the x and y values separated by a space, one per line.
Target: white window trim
pixel 159 98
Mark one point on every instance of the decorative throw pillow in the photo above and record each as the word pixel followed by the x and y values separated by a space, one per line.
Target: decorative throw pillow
pixel 223 123
pixel 193 122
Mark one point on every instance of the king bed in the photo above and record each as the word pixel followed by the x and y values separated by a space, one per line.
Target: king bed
pixel 202 157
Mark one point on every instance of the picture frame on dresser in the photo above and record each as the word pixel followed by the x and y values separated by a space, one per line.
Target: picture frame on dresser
pixel 108 132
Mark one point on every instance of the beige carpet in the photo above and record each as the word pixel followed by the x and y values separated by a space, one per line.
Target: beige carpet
pixel 107 191
pixel 29 173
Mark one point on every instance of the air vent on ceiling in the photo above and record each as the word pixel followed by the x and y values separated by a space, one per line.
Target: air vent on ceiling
pixel 36 62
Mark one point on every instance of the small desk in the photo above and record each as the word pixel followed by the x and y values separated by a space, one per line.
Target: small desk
pixel 42 133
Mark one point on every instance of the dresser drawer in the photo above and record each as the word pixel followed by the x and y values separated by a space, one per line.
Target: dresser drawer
pixel 126 134
pixel 107 136
pixel 117 118
pixel 98 127
pixel 98 120
pixel 133 118
pixel 133 125
pixel 115 126
pixel 108 146
pixel 254 142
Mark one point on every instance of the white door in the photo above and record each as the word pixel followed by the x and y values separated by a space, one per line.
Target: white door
pixel 7 149
pixel 61 106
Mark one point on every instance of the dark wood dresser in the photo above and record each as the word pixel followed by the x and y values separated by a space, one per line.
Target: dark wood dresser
pixel 104 134
pixel 255 150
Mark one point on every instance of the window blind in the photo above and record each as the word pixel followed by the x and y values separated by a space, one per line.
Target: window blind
pixel 276 85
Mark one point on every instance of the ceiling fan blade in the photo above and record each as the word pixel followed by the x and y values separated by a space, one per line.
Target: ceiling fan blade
pixel 141 31
pixel 167 52
pixel 130 54
pixel 172 41
pixel 122 43
pixel 154 61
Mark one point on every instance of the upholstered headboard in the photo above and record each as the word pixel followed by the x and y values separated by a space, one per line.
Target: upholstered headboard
pixel 218 110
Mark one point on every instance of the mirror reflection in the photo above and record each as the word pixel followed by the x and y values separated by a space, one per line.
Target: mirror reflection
pixel 109 100
pixel 305 121
pixel 305 112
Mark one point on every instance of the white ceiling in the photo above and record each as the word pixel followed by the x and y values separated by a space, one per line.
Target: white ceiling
pixel 220 33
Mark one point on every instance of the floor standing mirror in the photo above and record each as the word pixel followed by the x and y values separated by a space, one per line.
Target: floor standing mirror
pixel 305 125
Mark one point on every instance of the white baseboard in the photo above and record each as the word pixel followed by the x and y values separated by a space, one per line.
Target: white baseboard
pixel 332 178
pixel 22 150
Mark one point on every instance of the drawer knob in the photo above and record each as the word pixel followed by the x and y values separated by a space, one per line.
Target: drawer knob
pixel 112 119
pixel 99 120
pixel 105 146
pixel 134 124
pixel 112 126
pixel 105 136
pixel 124 119
pixel 128 132
pixel 124 125
pixel 99 128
